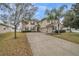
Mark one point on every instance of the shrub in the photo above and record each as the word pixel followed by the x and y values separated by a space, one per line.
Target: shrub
pixel 61 31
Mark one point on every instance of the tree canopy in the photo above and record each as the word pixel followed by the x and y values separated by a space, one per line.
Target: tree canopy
pixel 71 17
pixel 16 12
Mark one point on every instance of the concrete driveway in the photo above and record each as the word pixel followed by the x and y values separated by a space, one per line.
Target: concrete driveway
pixel 45 45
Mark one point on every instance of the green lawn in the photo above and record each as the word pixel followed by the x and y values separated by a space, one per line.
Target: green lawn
pixel 73 37
pixel 11 46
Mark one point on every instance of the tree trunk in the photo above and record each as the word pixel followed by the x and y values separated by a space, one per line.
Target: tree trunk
pixel 70 29
pixel 46 30
pixel 38 28
pixel 58 27
pixel 15 32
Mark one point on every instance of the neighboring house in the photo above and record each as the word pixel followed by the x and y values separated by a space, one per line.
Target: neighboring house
pixel 29 25
pixel 43 24
pixel 49 26
pixel 5 28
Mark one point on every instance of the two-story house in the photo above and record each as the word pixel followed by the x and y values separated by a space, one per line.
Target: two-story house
pixel 49 26
pixel 29 25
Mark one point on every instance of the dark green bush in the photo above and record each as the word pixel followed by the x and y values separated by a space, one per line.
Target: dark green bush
pixel 61 31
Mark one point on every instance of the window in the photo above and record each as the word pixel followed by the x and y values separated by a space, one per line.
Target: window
pixel 32 23
pixel 4 28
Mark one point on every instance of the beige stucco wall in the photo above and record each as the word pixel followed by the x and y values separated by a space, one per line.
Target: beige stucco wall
pixel 44 23
pixel 29 26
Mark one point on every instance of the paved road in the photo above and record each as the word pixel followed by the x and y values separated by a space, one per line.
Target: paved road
pixel 45 45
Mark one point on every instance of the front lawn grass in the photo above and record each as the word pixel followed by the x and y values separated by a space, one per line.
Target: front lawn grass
pixel 14 47
pixel 73 37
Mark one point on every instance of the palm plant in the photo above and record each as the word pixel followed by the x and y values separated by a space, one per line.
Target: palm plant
pixel 49 17
pixel 56 14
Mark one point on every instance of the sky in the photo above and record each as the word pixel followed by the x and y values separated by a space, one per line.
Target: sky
pixel 40 13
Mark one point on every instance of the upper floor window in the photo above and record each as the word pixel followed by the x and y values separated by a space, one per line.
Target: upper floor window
pixel 32 23
pixel 4 28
